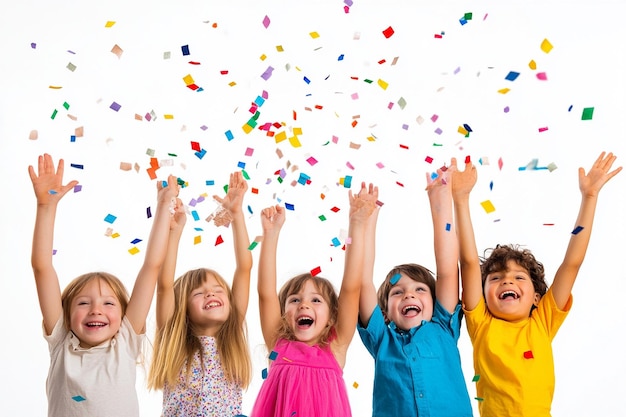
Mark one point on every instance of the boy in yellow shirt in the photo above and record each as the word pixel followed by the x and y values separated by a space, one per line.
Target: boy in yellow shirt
pixel 512 315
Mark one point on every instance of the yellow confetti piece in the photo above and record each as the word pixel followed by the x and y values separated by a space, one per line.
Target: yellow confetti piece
pixel 280 48
pixel 55 87
pixel 532 64
pixel 371 138
pixel 168 116
pixel 115 235
pixel 314 35
pixel 295 142
pixel 383 84
pixel 263 57
pixel 133 250
pixel 462 130
pixel 197 239
pixel 297 131
pixel 546 46
pixel 488 206
pixel 504 90
pixel 280 136
pixel 355 384
pixel 232 84
pixel 188 79
pixel 109 24
pixel 247 128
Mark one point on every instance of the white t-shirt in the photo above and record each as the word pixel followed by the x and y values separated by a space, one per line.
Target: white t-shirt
pixel 94 382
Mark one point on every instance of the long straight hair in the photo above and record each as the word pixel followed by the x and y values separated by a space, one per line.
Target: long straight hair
pixel 175 343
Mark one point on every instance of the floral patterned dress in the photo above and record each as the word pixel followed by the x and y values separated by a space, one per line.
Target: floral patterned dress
pixel 204 392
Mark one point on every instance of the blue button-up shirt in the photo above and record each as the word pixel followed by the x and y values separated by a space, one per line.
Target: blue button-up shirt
pixel 417 372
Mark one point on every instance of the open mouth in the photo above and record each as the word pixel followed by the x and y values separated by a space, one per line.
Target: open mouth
pixel 411 311
pixel 212 304
pixel 304 321
pixel 95 324
pixel 508 294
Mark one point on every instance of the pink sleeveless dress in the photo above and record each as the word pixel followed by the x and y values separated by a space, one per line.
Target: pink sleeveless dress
pixel 303 381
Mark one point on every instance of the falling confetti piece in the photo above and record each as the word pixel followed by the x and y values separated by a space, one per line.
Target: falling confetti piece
pixel 546 46
pixel 488 206
pixel 587 113
pixel 133 251
pixel 266 21
pixel 316 271
pixel 110 218
pixel 476 378
pixel 394 279
pixel 577 230
pixel 512 76
pixel 78 398
pixel 388 32
pixel 528 354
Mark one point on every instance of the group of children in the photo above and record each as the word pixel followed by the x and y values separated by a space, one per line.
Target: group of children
pixel 410 324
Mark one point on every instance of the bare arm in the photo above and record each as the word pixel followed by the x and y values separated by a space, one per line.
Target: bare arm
pixel 368 298
pixel 49 189
pixel 143 290
pixel 272 219
pixel 590 185
pixel 165 282
pixel 361 207
pixel 445 241
pixel 233 202
pixel 462 184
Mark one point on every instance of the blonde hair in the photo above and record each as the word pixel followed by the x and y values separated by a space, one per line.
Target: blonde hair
pixel 77 284
pixel 325 287
pixel 175 343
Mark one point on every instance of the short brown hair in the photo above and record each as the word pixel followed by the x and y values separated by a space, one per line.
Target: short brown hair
pixel 416 272
pixel 495 260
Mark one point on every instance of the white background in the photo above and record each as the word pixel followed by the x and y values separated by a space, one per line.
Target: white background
pixel 456 78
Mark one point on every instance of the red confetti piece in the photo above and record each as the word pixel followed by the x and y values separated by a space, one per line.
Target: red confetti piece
pixel 468 159
pixel 194 62
pixel 429 159
pixel 315 271
pixel 195 146
pixel 224 72
pixel 404 146
pixel 528 354
pixel 388 32
pixel 335 209
pixel 219 240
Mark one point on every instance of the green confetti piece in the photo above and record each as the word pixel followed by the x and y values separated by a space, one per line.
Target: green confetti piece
pixel 245 174
pixel 368 81
pixel 587 113
pixel 476 378
pixel 66 105
pixel 479 399
pixel 54 114
pixel 467 16
pixel 252 245
pixel 322 218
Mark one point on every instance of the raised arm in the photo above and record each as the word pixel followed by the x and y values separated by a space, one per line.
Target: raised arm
pixel 233 202
pixel 462 184
pixel 272 220
pixel 143 290
pixel 445 241
pixel 165 283
pixel 49 189
pixel 590 185
pixel 367 296
pixel 361 207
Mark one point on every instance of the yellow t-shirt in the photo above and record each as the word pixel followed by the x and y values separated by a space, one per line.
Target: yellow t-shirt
pixel 513 361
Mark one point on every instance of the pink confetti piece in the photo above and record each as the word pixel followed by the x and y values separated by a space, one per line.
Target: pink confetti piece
pixel 542 76
pixel 266 21
pixel 543 129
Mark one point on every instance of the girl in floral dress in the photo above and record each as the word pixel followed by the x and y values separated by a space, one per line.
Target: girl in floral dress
pixel 201 358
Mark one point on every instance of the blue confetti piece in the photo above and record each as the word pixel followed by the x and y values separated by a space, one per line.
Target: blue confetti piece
pixel 336 242
pixel 52 192
pixel 273 355
pixel 135 241
pixel 264 373
pixel 259 101
pixel 467 127
pixel 577 230
pixel 448 227
pixel 306 80
pixel 195 215
pixel 185 49
pixel 78 166
pixel 394 279
pixel 148 212
pixel 570 108
pixel 491 186
pixel 78 398
pixel 201 153
pixel 73 138
pixel 433 175
pixel 229 135
pixel 289 206
pixel 250 209
pixel 303 178
pixel 241 165
pixel 164 184
pixel 347 181
pixel 340 57
pixel 110 218
pixel 209 182
pixel 462 21
pixel 511 76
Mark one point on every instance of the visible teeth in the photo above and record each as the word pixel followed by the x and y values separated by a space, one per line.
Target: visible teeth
pixel 214 304
pixel 409 308
pixel 508 294
pixel 305 321
pixel 95 324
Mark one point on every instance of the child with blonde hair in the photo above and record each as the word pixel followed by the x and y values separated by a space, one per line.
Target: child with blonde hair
pixel 512 314
pixel 201 359
pixel 93 329
pixel 306 326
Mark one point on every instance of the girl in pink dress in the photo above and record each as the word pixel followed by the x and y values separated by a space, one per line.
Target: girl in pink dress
pixel 307 328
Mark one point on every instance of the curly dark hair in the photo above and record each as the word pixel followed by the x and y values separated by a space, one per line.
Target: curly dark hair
pixel 495 260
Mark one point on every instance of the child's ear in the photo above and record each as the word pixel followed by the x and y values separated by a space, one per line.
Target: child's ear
pixel 537 298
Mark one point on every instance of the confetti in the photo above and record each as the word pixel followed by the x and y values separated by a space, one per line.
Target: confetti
pixel 488 206
pixel 394 279
pixel 388 32
pixel 316 271
pixel 528 354
pixel 577 230
pixel 110 218
pixel 587 113
pixel 266 21
pixel 546 46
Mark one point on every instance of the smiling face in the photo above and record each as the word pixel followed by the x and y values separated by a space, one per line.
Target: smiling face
pixel 307 313
pixel 510 294
pixel 409 302
pixel 208 307
pixel 95 313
